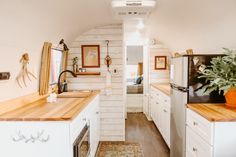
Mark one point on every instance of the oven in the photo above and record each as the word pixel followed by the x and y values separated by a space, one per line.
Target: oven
pixel 82 145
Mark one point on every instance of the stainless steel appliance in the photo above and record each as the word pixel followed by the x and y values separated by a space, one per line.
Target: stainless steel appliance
pixel 81 144
pixel 186 87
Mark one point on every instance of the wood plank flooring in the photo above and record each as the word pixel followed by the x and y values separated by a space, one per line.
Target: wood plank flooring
pixel 139 129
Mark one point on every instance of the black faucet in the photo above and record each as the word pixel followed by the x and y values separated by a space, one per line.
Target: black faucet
pixel 59 79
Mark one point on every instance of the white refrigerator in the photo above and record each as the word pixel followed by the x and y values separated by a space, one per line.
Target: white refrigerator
pixel 186 87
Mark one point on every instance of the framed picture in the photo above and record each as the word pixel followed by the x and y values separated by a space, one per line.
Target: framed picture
pixel 90 56
pixel 160 62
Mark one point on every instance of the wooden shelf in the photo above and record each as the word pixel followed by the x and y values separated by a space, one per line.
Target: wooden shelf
pixel 88 73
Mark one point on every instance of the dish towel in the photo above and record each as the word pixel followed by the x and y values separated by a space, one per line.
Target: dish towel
pixel 108 88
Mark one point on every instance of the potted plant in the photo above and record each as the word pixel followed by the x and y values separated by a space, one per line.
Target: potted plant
pixel 221 75
pixel 75 64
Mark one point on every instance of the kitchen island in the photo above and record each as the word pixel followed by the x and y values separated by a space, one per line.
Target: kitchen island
pixel 42 129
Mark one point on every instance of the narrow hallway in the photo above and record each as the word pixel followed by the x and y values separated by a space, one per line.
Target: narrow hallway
pixel 139 129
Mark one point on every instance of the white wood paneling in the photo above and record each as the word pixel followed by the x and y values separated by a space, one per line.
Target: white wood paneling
pixel 160 76
pixel 112 106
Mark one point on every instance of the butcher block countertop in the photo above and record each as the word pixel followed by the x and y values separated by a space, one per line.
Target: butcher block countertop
pixel 164 87
pixel 214 112
pixel 64 109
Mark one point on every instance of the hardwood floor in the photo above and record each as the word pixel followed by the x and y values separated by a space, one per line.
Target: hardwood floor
pixel 139 129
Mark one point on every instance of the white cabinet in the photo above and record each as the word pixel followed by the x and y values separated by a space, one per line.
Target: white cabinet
pixel 49 138
pixel 94 122
pixel 209 139
pixel 160 112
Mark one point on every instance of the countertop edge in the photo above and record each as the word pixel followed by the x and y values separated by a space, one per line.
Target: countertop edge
pixel 156 85
pixel 63 118
pixel 210 119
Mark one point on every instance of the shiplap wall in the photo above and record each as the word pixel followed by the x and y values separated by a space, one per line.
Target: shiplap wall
pixel 112 106
pixel 159 76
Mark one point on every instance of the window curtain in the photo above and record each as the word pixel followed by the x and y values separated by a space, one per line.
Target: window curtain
pixel 45 69
pixel 140 69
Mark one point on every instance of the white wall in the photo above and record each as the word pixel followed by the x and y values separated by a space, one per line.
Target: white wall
pixel 203 25
pixel 158 76
pixel 10 62
pixel 134 55
pixel 25 25
pixel 112 106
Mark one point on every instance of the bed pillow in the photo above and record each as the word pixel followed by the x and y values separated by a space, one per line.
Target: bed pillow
pixel 139 80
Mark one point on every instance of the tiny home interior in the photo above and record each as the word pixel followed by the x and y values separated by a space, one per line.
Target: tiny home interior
pixel 146 78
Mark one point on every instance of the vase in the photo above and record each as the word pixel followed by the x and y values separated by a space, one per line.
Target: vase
pixel 230 98
pixel 75 68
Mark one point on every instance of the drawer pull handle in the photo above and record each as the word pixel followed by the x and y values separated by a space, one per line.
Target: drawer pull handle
pixel 194 149
pixel 84 119
pixel 157 103
pixel 97 112
pixel 164 110
pixel 195 123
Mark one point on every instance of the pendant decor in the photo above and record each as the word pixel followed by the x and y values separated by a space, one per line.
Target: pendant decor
pixel 24 70
pixel 108 62
pixel 108 59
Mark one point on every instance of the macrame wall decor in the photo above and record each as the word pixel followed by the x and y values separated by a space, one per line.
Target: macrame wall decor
pixel 108 59
pixel 24 72
pixel 108 62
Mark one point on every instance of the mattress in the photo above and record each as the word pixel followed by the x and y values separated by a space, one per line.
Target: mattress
pixel 135 89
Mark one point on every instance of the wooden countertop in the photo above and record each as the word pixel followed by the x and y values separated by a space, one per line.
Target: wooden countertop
pixel 164 87
pixel 64 109
pixel 214 112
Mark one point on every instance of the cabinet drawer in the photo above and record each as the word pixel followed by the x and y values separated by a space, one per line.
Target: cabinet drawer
pixel 200 125
pixel 196 146
pixel 77 125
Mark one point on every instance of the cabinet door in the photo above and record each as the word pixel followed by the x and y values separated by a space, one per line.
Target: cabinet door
pixel 152 105
pixel 94 121
pixel 196 146
pixel 166 125
pixel 156 105
pixel 158 115
pixel 165 119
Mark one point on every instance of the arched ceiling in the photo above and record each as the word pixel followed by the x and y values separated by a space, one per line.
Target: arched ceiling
pixel 204 25
pixel 28 22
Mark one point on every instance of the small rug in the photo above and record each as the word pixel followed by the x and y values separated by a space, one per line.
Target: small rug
pixel 119 149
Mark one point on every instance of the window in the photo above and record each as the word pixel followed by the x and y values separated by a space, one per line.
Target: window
pixel 56 65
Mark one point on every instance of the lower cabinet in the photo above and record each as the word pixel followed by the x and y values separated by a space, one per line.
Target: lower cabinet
pixel 94 122
pixel 49 138
pixel 209 139
pixel 160 112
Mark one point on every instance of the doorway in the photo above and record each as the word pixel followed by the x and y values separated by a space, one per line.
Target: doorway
pixel 134 78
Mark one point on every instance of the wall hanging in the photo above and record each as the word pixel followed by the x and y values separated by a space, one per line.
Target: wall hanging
pixel 108 62
pixel 160 62
pixel 24 72
pixel 108 59
pixel 90 56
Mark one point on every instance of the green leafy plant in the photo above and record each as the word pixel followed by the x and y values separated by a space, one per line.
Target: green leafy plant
pixel 75 60
pixel 221 75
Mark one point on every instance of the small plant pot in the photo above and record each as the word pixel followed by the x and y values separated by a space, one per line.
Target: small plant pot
pixel 75 68
pixel 230 98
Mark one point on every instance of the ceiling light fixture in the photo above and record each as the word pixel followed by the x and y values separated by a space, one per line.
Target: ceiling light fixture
pixel 140 25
